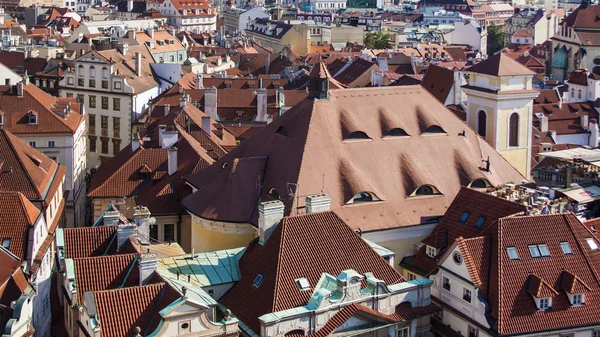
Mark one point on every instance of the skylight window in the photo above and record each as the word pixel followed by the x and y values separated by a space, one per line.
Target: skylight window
pixel 464 217
pixel 566 248
pixel 540 250
pixel 512 253
pixel 258 280
pixel 363 197
pixel 534 251
pixel 480 222
pixel 303 284
pixel 6 243
pixel 544 250
pixel 593 245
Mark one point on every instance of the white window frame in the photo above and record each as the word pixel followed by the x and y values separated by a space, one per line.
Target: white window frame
pixel 51 143
pixel 544 303
pixel 403 331
pixel 32 143
pixel 469 292
pixel 431 251
pixel 593 245
pixel 514 250
pixel 568 250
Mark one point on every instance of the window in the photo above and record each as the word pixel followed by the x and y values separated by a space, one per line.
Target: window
pixel 446 283
pixel 153 232
pixel 80 82
pixel 80 71
pixel 357 135
pixel 513 130
pixel 480 222
pixel 482 123
pixel 184 327
pixel 397 132
pixel 104 102
pixel 431 251
pixel 104 122
pixel 92 118
pixel 303 284
pixel 32 143
pixel 257 280
pixel 70 80
pixel 80 98
pixel 512 253
pixel 104 142
pixel 544 250
pixel 92 101
pixel 539 250
pixel 6 243
pixel 32 119
pixel 92 71
pixel 464 216
pixel 403 332
pixel 544 304
pixel 566 248
pixel 104 72
pixel 592 243
pixel 577 299
pixel 425 190
pixel 116 104
pixel 467 295
pixel 51 143
pixel 117 85
pixel 172 58
pixel 117 124
pixel 480 183
pixel 92 83
pixel 412 276
pixel 1 119
pixel 92 141
pixel 434 129
pixel 169 235
pixel 579 93
pixel 116 146
pixel 473 332
pixel 596 333
pixel 104 84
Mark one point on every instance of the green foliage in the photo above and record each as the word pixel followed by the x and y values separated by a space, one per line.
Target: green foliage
pixel 377 40
pixel 495 39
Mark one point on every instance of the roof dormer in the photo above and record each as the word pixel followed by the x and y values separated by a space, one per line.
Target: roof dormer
pixel 541 292
pixel 574 287
pixel 32 118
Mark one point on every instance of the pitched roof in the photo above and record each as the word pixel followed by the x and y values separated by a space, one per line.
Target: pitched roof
pixel 500 65
pixel 439 82
pixel 125 65
pixel 17 216
pixel 579 77
pixel 522 33
pixel 307 146
pixel 565 119
pixel 584 18
pixel 120 311
pixel 25 169
pixel 12 280
pixel 92 241
pixel 300 246
pixel 105 272
pixel 357 69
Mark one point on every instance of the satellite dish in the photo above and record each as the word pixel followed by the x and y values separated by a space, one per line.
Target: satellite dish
pixel 152 221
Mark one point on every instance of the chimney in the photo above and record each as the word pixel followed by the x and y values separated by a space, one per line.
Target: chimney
pixel 268 63
pixel 124 48
pixel 219 61
pixel 167 138
pixel 167 109
pixel 544 124
pixel 270 214
pixel 281 97
pixel 141 216
pixel 129 6
pixel 151 33
pixel 20 89
pixel 183 100
pixel 111 218
pixel 261 105
pixel 206 123
pixel 135 142
pixel 125 232
pixel 147 266
pixel 584 122
pixel 593 142
pixel 317 203
pixel 138 64
pixel 199 81
pixel 172 160
pixel 210 102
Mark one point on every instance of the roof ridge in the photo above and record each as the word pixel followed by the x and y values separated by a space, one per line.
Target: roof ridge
pixel 146 286
pixel 117 256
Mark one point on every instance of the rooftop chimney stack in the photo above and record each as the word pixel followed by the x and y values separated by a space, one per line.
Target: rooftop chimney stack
pixel 125 232
pixel 147 266
pixel 206 124
pixel 210 102
pixel 20 89
pixel 593 142
pixel 124 48
pixel 111 218
pixel 167 109
pixel 141 216
pixel 135 142
pixel 318 203
pixel 261 105
pixel 172 160
pixel 138 64
pixel 270 214
pixel 544 124
pixel 199 81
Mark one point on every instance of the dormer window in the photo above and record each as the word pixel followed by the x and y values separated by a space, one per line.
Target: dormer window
pixel 544 303
pixel 6 243
pixel 480 183
pixel 1 119
pixel 357 135
pixel 303 284
pixel 32 118
pixel 363 197
pixel 431 251
pixel 434 129
pixel 425 190
pixel 397 132
pixel 577 299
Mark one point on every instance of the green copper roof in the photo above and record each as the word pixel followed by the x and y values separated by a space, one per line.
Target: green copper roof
pixel 559 60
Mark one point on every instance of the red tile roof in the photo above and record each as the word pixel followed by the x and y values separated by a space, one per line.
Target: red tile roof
pixel 565 119
pixel 300 246
pixel 120 311
pixel 439 82
pixel 12 280
pixel 92 241
pixel 579 77
pixel 583 18
pixel 522 33
pixel 105 272
pixel 500 65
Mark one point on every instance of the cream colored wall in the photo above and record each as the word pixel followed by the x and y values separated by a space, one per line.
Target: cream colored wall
pixel 298 38
pixel 204 240
pixel 473 121
pixel 402 247
pixel 517 156
pixel 458 324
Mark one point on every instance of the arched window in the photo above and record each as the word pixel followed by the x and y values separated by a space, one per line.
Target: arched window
pixel 80 71
pixel 579 94
pixel 425 190
pixel 513 130
pixel 92 72
pixel 482 123
pixel 397 132
pixel 104 72
pixel 357 135
pixel 363 197
pixel 480 183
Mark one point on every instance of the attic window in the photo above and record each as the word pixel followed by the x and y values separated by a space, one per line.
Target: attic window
pixel 425 190
pixel 540 250
pixel 544 303
pixel 273 192
pixel 224 165
pixel 357 135
pixel 577 299
pixel 566 248
pixel 282 131
pixel 397 132
pixel 593 245
pixel 480 183
pixel 480 222
pixel 258 280
pixel 363 197
pixel 431 251
pixel 6 243
pixel 32 118
pixel 434 129
pixel 303 284
pixel 512 253
pixel 464 216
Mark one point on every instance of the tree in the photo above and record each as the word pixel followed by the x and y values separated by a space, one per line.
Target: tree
pixel 495 39
pixel 378 40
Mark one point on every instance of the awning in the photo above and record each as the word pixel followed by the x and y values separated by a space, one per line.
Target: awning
pixel 570 154
pixel 584 195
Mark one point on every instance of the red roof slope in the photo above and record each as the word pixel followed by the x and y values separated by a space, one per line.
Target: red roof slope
pixel 105 272
pixel 92 241
pixel 439 82
pixel 301 246
pixel 500 65
pixel 17 216
pixel 584 18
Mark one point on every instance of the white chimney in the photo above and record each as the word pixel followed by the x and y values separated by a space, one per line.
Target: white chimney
pixel 129 5
pixel 138 64
pixel 151 33
pixel 135 142
pixel 183 100
pixel 141 216
pixel 125 232
pixel 167 109
pixel 124 48
pixel 167 138
pixel 147 266
pixel 593 142
pixel 584 122
pixel 20 89
pixel 206 124
pixel 318 203
pixel 261 105
pixel 210 102
pixel 172 160
pixel 270 214
pixel 544 124
pixel 111 218
pixel 199 81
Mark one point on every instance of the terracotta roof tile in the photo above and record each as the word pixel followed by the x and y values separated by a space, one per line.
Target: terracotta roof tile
pixel 439 82
pixel 500 65
pixel 579 77
pixel 91 241
pixel 17 216
pixel 105 272
pixel 584 18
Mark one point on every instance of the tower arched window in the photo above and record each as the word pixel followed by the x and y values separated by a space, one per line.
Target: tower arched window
pixel 513 130
pixel 482 123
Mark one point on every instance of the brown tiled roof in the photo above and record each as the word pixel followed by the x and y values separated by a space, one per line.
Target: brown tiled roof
pixel 12 59
pixel 353 73
pixel 343 315
pixel 579 77
pixel 565 119
pixel 522 33
pixel 11 278
pixel 500 65
pixel 583 18
pixel 92 241
pixel 589 38
pixel 105 272
pixel 300 246
pixel 547 96
pixel 439 82
pixel 314 148
pixel 25 169
pixel 125 65
pixel 50 111
pixel 120 311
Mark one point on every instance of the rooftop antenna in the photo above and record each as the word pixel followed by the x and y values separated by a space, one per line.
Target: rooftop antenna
pixel 294 195
pixel 323 185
